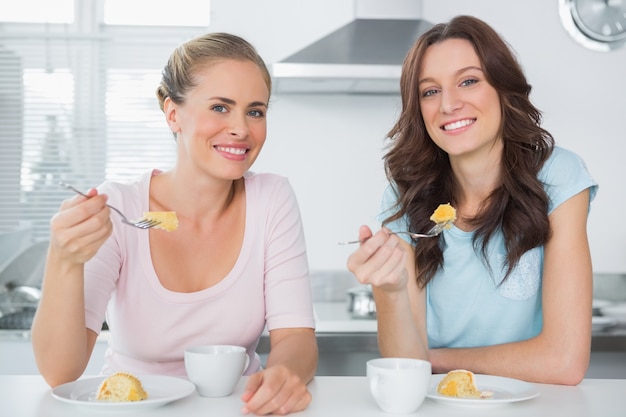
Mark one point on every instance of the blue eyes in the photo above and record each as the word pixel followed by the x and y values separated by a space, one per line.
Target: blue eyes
pixel 223 109
pixel 465 83
pixel 256 113
pixel 469 82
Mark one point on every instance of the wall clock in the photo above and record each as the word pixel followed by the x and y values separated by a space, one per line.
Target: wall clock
pixel 596 24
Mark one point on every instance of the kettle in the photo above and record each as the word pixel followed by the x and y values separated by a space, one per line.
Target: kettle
pixel 361 303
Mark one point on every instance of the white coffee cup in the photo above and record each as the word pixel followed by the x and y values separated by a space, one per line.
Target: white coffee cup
pixel 215 369
pixel 399 385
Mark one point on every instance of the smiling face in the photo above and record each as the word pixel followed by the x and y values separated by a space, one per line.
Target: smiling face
pixel 461 110
pixel 221 125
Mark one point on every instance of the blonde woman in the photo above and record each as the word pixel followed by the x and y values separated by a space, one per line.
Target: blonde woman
pixel 235 265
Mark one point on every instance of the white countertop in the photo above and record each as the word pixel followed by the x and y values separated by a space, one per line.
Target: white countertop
pixel 29 395
pixel 330 317
pixel 333 317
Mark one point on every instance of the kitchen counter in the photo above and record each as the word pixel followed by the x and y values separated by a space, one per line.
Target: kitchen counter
pixel 29 395
pixel 345 344
pixel 330 317
pixel 333 317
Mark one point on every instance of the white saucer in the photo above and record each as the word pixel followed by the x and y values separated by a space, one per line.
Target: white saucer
pixel 505 390
pixel 161 390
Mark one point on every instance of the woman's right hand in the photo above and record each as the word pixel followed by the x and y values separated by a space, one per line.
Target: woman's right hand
pixel 80 228
pixel 380 260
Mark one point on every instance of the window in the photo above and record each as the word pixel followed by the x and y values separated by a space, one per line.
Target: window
pixel 38 11
pixel 162 12
pixel 77 100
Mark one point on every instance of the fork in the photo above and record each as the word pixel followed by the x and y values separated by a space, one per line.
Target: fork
pixel 433 232
pixel 142 223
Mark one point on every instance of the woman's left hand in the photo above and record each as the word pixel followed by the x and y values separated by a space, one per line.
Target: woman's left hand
pixel 275 390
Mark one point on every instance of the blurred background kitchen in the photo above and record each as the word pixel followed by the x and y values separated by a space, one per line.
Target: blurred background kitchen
pixel 77 104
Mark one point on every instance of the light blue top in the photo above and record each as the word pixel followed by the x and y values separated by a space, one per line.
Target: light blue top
pixel 465 307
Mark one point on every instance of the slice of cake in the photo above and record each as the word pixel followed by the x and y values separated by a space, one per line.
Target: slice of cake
pixel 460 383
pixel 444 214
pixel 168 220
pixel 121 386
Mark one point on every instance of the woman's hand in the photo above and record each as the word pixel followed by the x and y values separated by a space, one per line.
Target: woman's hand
pixel 61 342
pixel 275 390
pixel 80 227
pixel 281 388
pixel 385 261
pixel 380 260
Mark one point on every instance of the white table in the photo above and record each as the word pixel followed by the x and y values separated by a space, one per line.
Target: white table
pixel 29 395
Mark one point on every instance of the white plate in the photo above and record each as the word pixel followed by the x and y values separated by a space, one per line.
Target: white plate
pixel 601 323
pixel 505 390
pixel 161 390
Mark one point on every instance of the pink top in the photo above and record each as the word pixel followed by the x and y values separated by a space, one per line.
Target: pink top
pixel 151 326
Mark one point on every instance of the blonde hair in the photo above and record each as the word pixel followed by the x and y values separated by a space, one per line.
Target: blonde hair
pixel 178 74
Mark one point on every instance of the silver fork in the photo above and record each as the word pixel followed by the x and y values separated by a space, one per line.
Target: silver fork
pixel 433 232
pixel 142 223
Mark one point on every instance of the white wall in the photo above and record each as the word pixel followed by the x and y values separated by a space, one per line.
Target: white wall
pixel 581 94
pixel 330 146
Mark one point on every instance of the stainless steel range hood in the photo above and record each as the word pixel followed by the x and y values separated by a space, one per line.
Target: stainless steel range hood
pixel 364 56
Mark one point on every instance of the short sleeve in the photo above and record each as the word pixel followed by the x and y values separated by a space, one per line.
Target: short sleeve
pixel 564 175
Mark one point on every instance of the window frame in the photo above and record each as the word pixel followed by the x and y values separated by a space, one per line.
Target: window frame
pixel 97 42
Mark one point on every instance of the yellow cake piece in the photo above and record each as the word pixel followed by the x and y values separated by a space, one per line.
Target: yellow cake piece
pixel 121 386
pixel 168 220
pixel 445 213
pixel 460 383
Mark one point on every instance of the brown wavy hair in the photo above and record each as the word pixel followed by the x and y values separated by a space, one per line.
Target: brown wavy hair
pixel 421 171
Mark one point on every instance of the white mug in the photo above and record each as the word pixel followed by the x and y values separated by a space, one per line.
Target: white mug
pixel 215 369
pixel 399 385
